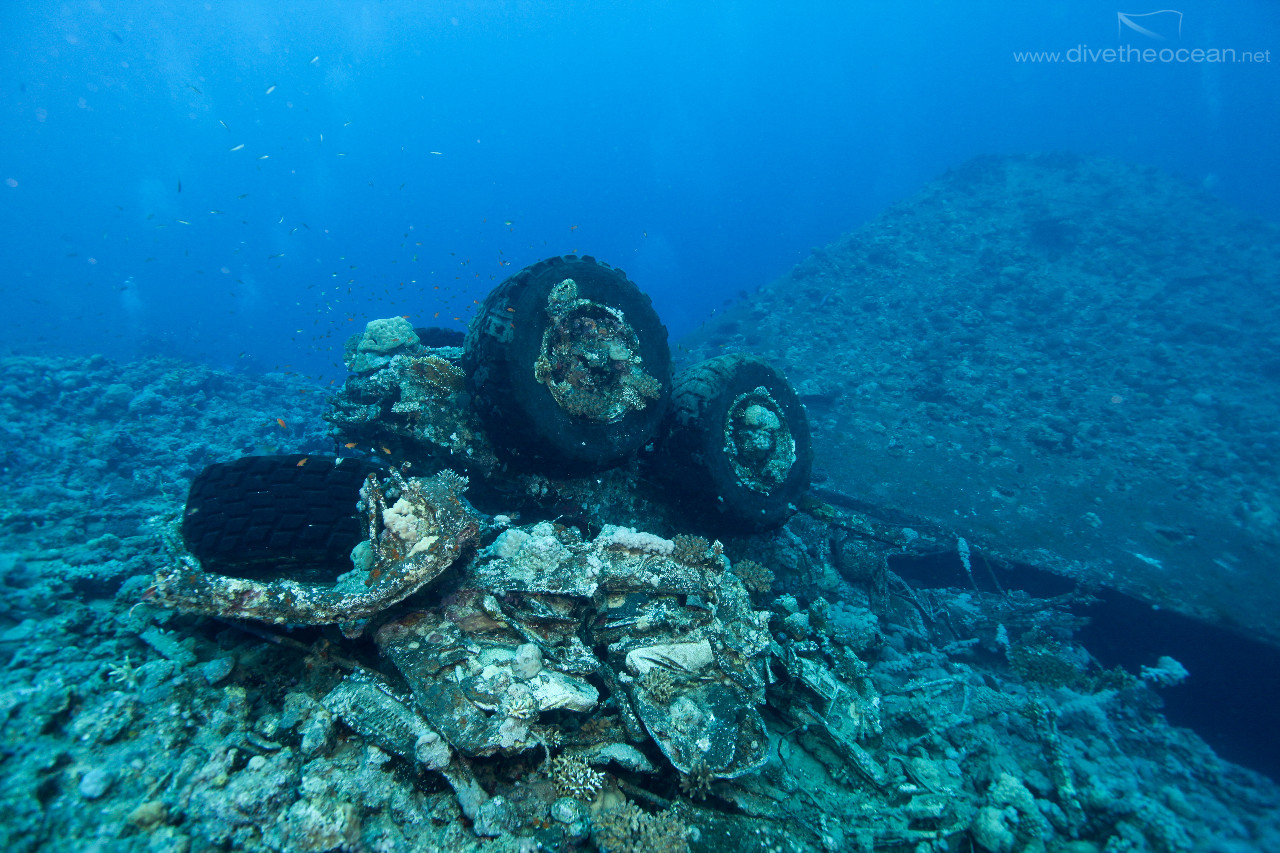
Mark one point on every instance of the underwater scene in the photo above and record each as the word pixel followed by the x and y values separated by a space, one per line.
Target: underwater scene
pixel 639 427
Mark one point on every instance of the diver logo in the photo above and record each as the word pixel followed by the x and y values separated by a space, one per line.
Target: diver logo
pixel 1157 25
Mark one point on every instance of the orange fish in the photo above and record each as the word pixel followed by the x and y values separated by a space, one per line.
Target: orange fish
pixel 350 444
pixel 385 449
pixel 283 425
pixel 303 461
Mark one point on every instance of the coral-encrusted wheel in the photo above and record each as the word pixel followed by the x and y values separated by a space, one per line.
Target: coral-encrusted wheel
pixel 568 366
pixel 737 448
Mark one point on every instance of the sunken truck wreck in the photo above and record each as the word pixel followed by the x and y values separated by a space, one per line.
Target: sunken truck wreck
pixel 499 635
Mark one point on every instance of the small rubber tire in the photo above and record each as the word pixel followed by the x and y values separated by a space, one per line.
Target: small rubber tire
pixel 737 449
pixel 568 381
pixel 263 515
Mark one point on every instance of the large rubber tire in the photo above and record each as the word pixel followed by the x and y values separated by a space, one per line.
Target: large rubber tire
pixel 568 367
pixel 263 516
pixel 737 450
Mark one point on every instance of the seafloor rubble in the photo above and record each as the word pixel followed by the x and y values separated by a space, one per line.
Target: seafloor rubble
pixel 1068 359
pixel 890 716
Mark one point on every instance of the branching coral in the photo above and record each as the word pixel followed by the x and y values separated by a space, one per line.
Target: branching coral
pixel 754 576
pixel 693 550
pixel 573 777
pixel 660 685
pixel 696 784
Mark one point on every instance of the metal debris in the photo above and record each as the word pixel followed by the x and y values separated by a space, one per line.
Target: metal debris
pixel 411 542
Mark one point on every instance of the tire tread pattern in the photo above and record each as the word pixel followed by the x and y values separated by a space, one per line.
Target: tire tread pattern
pixel 267 513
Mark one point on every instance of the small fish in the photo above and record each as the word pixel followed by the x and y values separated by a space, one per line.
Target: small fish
pixel 349 123
pixel 573 227
pixel 270 89
pixel 264 156
pixel 283 425
pixel 243 195
pixel 350 444
pixel 183 222
pixel 273 257
pixel 315 60
pixel 194 89
pixel 215 211
pixel 385 449
pixel 441 153
pixel 179 184
pixel 303 461
pixel 224 124
pixel 507 222
pixel 238 147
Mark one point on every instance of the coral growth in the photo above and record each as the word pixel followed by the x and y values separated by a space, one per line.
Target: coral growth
pixel 660 684
pixel 590 360
pixel 630 829
pixel 573 777
pixel 696 784
pixel 694 550
pixel 754 576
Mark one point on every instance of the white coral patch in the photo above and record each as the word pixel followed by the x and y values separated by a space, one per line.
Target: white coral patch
pixel 628 538
pixel 400 521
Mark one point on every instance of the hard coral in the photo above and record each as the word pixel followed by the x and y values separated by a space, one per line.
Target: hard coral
pixel 629 829
pixel 754 576
pixel 696 784
pixel 660 684
pixel 572 777
pixel 433 372
pixel 693 550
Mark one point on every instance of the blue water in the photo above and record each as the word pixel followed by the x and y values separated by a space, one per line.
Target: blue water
pixel 402 158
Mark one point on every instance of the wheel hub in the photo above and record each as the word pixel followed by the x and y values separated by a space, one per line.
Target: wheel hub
pixel 590 360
